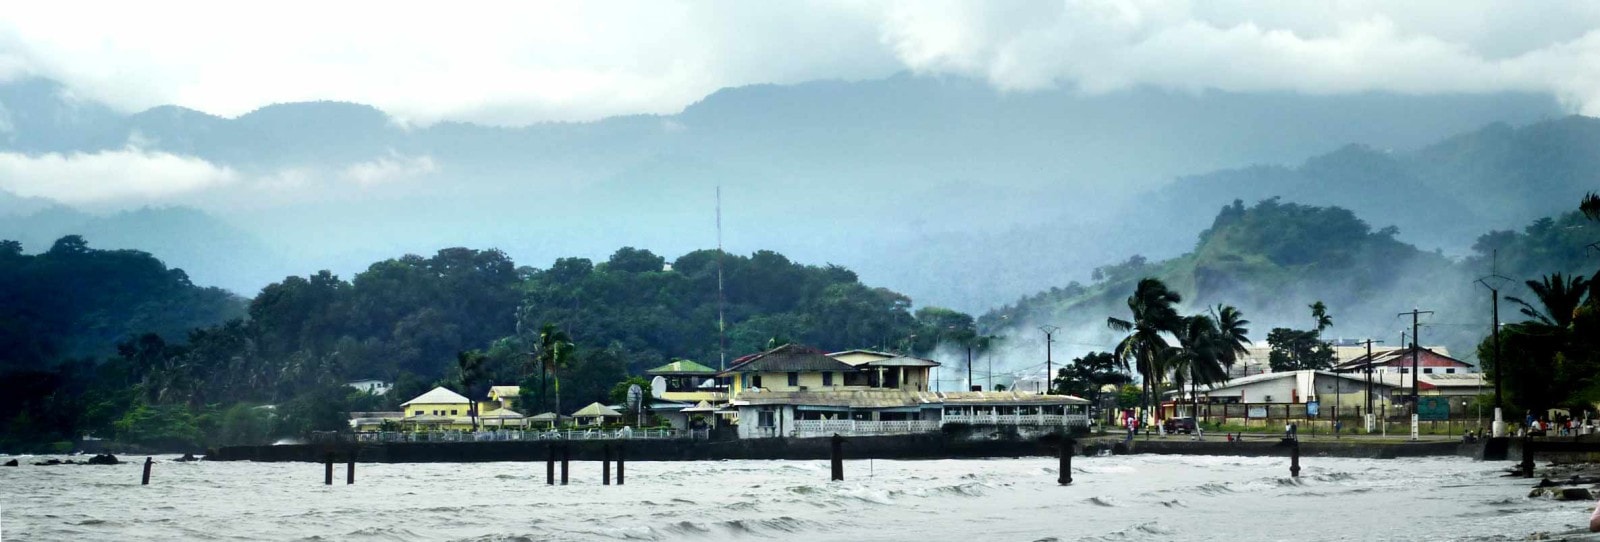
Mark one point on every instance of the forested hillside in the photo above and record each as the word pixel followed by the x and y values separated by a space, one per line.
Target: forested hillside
pixel 1274 258
pixel 412 320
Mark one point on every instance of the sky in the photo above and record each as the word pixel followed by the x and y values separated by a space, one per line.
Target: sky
pixel 515 63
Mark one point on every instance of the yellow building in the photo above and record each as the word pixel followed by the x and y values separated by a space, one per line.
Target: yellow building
pixel 689 382
pixel 501 397
pixel 438 409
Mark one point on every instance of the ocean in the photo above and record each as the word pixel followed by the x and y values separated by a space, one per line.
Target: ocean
pixel 1141 497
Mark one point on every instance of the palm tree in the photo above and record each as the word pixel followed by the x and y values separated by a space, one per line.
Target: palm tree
pixel 1232 333
pixel 1319 312
pixel 1152 309
pixel 470 371
pixel 1559 297
pixel 555 348
pixel 1590 206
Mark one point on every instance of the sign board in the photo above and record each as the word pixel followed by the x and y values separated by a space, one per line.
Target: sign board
pixel 1312 407
pixel 1433 408
pixel 1256 412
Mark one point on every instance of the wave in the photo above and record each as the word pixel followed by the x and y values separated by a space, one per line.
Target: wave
pixel 1101 501
pixel 781 525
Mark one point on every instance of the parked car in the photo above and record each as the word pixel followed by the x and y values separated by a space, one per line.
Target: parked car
pixel 1178 425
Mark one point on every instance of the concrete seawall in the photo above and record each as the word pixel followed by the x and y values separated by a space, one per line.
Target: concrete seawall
pixel 1308 448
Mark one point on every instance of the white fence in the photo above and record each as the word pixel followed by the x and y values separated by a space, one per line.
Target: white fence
pixel 1019 419
pixel 514 435
pixel 823 428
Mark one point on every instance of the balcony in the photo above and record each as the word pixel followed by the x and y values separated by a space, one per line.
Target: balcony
pixel 855 428
pixel 1019 419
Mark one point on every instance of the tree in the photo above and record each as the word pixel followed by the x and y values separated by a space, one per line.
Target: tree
pixel 1294 350
pixel 1087 375
pixel 1152 308
pixel 1319 314
pixel 553 352
pixel 470 372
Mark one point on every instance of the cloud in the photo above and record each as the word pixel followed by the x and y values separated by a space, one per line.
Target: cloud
pixel 122 176
pixel 388 169
pixel 514 63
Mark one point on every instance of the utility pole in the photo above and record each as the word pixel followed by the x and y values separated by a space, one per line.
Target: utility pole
pixel 1049 367
pixel 1369 342
pixel 969 367
pixel 722 330
pixel 1494 321
pixel 1416 373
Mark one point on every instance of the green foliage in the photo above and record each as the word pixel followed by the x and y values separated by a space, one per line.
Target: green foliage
pixel 1294 350
pixel 163 426
pixel 619 392
pixel 243 424
pixel 1088 374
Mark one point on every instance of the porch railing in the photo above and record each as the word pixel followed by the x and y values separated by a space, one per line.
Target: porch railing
pixel 1019 419
pixel 822 428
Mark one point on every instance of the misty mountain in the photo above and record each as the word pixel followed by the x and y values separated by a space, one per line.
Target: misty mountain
pixel 1273 259
pixel 211 251
pixel 919 182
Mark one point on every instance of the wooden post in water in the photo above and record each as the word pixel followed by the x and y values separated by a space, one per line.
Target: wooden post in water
pixel 622 453
pixel 1065 476
pixel 147 462
pixel 838 457
pixel 1294 459
pixel 605 465
pixel 566 455
pixel 327 471
pixel 350 469
pixel 1527 456
pixel 550 467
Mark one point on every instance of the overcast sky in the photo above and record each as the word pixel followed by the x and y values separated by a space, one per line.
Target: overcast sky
pixel 515 63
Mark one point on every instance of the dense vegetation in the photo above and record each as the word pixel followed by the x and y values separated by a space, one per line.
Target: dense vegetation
pixel 1551 359
pixel 186 372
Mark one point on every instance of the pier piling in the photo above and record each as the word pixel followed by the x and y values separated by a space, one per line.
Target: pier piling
pixel 327 469
pixel 148 461
pixel 622 454
pixel 1527 456
pixel 550 467
pixel 1066 462
pixel 350 469
pixel 1294 459
pixel 838 457
pixel 566 455
pixel 605 465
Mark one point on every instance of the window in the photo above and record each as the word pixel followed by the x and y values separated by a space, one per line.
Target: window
pixel 755 381
pixel 766 418
pixel 452 412
pixel 1427 370
pixel 794 379
pixel 827 378
pixel 1451 370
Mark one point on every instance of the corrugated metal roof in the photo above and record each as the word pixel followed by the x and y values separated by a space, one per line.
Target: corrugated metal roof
pixel 789 358
pixel 682 366
pixel 1003 398
pixel 901 361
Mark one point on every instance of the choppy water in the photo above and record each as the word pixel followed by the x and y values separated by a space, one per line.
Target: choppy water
pixel 1215 499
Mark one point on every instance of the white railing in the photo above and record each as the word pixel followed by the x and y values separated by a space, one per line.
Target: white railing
pixel 823 428
pixel 518 435
pixel 1019 419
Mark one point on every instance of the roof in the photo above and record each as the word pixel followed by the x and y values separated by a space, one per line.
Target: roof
pixel 376 415
pixel 702 407
pixel 546 417
pixel 896 398
pixel 596 409
pixel 1005 398
pixel 900 361
pixel 682 367
pixel 788 358
pixel 438 396
pixel 502 413
pixel 505 391
pixel 1402 357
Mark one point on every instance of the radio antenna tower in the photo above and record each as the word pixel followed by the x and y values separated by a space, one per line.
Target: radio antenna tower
pixel 722 335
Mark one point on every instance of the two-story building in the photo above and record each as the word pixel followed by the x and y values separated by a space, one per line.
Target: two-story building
pixel 797 391
pixel 439 408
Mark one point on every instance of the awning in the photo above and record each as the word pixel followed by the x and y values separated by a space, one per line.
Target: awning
pixel 812 408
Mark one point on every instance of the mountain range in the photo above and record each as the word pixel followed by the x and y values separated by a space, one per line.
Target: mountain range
pixel 943 188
